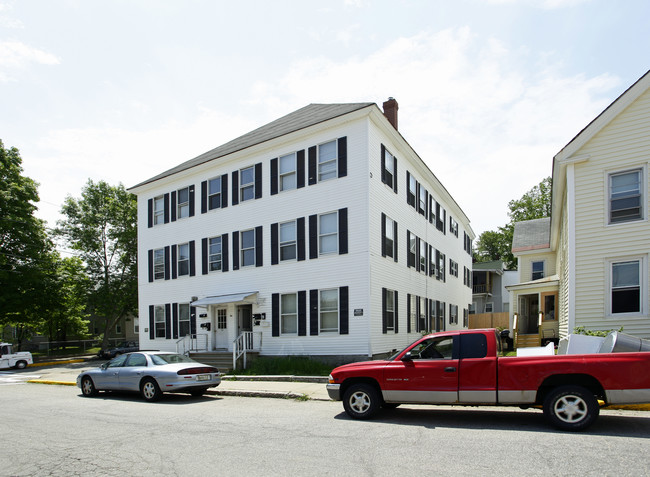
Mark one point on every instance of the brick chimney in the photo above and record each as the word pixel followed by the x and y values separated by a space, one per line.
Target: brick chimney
pixel 390 111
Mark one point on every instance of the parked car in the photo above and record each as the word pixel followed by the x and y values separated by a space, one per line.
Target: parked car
pixel 150 373
pixel 124 347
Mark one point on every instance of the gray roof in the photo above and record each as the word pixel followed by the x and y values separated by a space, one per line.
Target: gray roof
pixel 531 235
pixel 300 119
pixel 494 265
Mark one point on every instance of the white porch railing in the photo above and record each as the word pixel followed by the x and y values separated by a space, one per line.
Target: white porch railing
pixel 245 342
pixel 190 343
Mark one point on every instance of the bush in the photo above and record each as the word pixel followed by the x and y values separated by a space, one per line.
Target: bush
pixel 580 330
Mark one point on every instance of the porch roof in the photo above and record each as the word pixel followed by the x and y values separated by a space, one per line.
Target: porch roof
pixel 553 280
pixel 223 299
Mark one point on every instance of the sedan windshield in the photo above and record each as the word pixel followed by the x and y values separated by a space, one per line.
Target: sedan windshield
pixel 161 359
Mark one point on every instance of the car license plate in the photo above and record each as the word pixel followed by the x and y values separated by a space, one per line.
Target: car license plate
pixel 203 377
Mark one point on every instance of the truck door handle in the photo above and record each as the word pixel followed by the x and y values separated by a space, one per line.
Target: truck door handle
pixel 450 369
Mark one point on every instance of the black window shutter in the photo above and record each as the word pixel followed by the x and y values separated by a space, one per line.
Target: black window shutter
pixel 168 321
pixel 174 262
pixel 175 319
pixel 204 256
pixel 300 169
pixel 275 314
pixel 343 231
pixel 192 258
pixel 173 206
pixel 300 238
pixel 408 312
pixel 408 191
pixel 235 187
pixel 302 313
pixel 192 201
pixel 204 197
pixel 224 191
pixel 150 213
pixel 150 264
pixel 274 244
pixel 384 317
pixel 343 156
pixel 395 174
pixel 152 331
pixel 313 236
pixel 235 250
pixel 311 165
pixel 259 249
pixel 344 310
pixel 224 253
pixel 167 264
pixel 313 312
pixel 395 241
pixel 258 180
pixel 193 320
pixel 383 165
pixel 166 208
pixel 274 176
pixel 383 234
pixel 395 311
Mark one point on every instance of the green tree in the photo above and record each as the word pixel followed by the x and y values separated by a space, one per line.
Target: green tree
pixel 25 247
pixel 497 245
pixel 101 226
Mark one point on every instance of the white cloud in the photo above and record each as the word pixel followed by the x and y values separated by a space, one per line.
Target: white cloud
pixel 17 55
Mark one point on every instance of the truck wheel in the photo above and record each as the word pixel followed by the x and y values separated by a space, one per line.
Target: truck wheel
pixel 21 364
pixel 88 387
pixel 571 408
pixel 361 401
pixel 150 390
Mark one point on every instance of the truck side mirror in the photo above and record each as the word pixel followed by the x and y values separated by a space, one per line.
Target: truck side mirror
pixel 407 357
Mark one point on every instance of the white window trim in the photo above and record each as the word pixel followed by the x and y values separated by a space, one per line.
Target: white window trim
pixel 162 254
pixel 643 284
pixel 389 166
pixel 289 243
pixel 321 235
pixel 210 255
pixel 210 195
pixel 181 205
pixel 543 262
pixel 156 321
pixel 178 260
pixel 293 172
pixel 391 310
pixel 320 312
pixel 644 195
pixel 248 185
pixel 159 215
pixel 334 161
pixel 284 315
pixel 188 320
pixel 242 249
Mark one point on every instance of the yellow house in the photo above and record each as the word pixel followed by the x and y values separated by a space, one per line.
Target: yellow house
pixel 587 265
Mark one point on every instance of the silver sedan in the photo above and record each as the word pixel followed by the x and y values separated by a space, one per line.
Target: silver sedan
pixel 151 373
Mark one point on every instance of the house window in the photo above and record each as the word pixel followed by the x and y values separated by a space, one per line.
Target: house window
pixel 248 248
pixel 222 319
pixel 159 210
pixel 183 206
pixel 626 287
pixel 118 329
pixel 453 314
pixel 489 307
pixel 413 310
pixel 214 256
pixel 389 312
pixel 625 196
pixel 288 172
pixel 214 193
pixel 412 244
pixel 389 237
pixel 183 319
pixel 423 201
pixel 453 226
pixel 423 256
pixel 159 321
pixel 183 259
pixel 465 317
pixel 389 168
pixel 538 270
pixel 289 314
pixel 327 161
pixel 329 311
pixel 247 185
pixel 422 309
pixel 410 197
pixel 288 241
pixel 453 268
pixel 136 325
pixel 328 233
pixel 159 264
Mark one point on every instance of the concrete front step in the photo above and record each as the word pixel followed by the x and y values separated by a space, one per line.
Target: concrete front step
pixel 221 360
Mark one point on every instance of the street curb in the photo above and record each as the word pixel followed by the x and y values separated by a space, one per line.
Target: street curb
pixel 45 381
pixel 52 363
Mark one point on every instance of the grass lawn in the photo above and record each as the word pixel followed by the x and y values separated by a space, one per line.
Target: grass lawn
pixel 286 366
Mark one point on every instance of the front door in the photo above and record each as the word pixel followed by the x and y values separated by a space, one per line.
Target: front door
pixel 529 314
pixel 220 328
pixel 244 318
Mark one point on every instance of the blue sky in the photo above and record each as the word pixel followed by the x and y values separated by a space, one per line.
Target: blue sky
pixel 488 90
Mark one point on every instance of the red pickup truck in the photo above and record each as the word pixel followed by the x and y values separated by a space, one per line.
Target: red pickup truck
pixel 464 368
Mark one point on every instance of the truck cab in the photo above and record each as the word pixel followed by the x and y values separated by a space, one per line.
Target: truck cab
pixel 9 359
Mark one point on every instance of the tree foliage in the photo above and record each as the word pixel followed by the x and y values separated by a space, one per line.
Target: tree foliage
pixel 497 245
pixel 101 226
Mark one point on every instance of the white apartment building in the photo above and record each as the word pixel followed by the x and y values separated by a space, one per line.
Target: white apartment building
pixel 322 233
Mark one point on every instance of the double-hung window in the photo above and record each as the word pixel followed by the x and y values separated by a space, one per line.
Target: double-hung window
pixel 183 259
pixel 389 169
pixel 328 233
pixel 289 314
pixel 214 255
pixel 248 248
pixel 214 193
pixel 626 196
pixel 288 241
pixel 159 264
pixel 538 270
pixel 183 207
pixel 183 319
pixel 390 309
pixel 413 187
pixel 626 287
pixel 327 161
pixel 423 200
pixel 423 256
pixel 159 321
pixel 159 210
pixel 329 311
pixel 247 184
pixel 389 238
pixel 288 172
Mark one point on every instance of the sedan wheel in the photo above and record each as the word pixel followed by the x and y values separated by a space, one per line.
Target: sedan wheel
pixel 150 390
pixel 88 387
